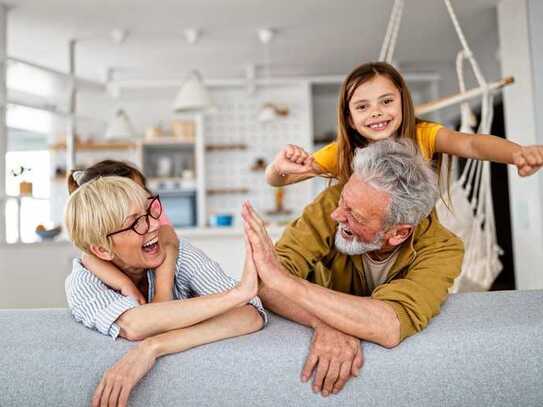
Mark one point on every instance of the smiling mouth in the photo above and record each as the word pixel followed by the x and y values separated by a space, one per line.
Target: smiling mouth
pixel 379 126
pixel 346 233
pixel 151 246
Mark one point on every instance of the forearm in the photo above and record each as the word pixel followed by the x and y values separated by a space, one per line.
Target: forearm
pixel 492 148
pixel 281 305
pixel 274 178
pixel 166 271
pixel 106 271
pixel 236 322
pixel 362 317
pixel 152 319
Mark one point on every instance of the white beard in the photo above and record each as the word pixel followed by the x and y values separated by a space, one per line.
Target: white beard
pixel 354 246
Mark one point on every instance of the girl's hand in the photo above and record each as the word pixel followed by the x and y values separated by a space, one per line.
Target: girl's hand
pixel 248 285
pixel 293 160
pixel 528 160
pixel 130 290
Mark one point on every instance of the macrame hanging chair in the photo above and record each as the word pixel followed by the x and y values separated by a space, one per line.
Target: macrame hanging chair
pixel 469 214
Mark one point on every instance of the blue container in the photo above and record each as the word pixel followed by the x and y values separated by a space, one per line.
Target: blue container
pixel 222 220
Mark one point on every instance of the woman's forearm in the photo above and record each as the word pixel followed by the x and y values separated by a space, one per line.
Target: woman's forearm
pixel 151 319
pixel 236 322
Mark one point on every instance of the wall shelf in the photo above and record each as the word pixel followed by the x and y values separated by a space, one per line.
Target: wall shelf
pixel 95 146
pixel 221 191
pixel 223 147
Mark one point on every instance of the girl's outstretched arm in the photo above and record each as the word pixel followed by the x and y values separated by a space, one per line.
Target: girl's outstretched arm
pixel 527 159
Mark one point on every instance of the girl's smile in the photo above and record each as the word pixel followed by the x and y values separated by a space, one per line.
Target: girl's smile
pixel 375 109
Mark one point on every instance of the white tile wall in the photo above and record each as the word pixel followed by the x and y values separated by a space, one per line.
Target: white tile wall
pixel 236 122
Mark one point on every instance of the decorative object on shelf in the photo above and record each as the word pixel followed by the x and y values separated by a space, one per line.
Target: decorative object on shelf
pixel 25 187
pixel 48 234
pixel 259 164
pixel 219 191
pixel 164 166
pixel 154 132
pixel 221 220
pixel 183 130
pixel 271 111
pixel 279 203
pixel 193 95
pixel 222 147
pixel 120 127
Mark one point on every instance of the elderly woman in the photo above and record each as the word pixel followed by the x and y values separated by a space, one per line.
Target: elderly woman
pixel 114 219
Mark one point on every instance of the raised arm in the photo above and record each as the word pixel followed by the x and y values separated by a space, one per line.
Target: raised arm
pixel 165 273
pixel 395 310
pixel 527 159
pixel 292 164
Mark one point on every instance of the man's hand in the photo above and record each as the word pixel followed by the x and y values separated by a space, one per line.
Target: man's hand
pixel 263 250
pixel 335 357
pixel 120 379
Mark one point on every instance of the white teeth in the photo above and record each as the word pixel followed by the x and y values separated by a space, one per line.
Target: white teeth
pixel 151 242
pixel 378 126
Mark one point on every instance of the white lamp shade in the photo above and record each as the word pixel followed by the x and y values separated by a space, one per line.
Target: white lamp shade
pixel 120 127
pixel 192 96
pixel 267 114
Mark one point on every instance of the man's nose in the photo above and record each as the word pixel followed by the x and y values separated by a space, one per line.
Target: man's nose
pixel 338 215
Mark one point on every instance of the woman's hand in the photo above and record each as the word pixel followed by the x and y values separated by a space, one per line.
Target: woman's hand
pixel 248 285
pixel 122 377
pixel 293 160
pixel 528 160
pixel 267 264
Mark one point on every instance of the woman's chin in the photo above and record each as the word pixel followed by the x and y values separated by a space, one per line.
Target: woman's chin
pixel 154 258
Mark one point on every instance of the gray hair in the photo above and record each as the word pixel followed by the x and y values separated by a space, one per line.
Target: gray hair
pixel 396 167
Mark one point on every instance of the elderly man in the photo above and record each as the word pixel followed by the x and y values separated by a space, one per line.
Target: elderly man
pixel 367 260
pixel 115 219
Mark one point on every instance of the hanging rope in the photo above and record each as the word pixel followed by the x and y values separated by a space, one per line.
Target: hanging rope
pixel 391 35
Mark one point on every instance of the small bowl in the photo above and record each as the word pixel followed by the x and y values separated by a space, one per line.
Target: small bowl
pixel 49 233
pixel 221 220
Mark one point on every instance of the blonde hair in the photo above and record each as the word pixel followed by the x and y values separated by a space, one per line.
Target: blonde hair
pixel 99 207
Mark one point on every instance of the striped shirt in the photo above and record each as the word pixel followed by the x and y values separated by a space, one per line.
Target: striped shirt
pixel 97 306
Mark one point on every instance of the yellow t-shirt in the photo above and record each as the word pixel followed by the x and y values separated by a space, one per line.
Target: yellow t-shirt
pixel 326 157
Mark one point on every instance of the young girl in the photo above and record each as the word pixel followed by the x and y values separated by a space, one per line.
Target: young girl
pixel 374 104
pixel 106 271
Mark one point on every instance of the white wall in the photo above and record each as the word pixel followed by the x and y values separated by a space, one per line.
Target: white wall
pixel 521 42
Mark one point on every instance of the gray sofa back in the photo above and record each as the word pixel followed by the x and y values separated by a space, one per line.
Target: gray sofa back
pixel 484 349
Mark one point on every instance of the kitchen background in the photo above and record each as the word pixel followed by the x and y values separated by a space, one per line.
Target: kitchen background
pixel 273 72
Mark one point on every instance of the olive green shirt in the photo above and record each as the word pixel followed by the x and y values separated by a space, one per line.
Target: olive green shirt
pixel 417 283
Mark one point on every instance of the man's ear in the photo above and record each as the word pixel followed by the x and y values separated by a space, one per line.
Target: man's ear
pixel 101 252
pixel 399 234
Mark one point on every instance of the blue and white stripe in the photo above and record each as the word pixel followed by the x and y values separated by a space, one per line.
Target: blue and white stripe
pixel 98 306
